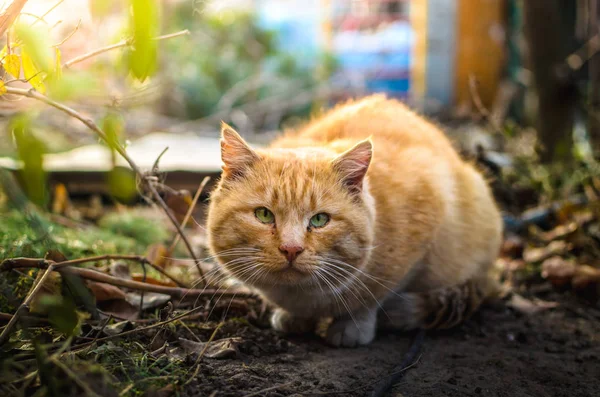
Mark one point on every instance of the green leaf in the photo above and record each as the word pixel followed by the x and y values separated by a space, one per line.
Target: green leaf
pixel 37 43
pixel 61 312
pixel 31 151
pixel 121 184
pixel 12 64
pixel 113 125
pixel 142 59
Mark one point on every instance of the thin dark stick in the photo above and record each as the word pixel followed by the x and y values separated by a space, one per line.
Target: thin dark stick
pixel 187 243
pixel 261 392
pixel 189 212
pixel 409 358
pixel 135 258
pixel 483 111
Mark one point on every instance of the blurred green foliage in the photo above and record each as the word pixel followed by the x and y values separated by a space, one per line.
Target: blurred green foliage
pixel 19 237
pixel 30 150
pixel 138 227
pixel 142 55
pixel 228 49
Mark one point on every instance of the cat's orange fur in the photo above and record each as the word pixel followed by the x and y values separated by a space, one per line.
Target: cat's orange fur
pixel 414 239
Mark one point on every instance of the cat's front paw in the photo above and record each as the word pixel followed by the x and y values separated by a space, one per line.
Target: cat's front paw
pixel 348 332
pixel 283 321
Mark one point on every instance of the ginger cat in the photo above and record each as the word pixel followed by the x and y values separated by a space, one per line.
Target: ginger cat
pixel 366 210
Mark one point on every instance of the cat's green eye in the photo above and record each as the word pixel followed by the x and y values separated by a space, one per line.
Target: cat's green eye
pixel 264 215
pixel 319 220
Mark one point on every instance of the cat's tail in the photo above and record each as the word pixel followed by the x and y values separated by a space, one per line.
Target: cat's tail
pixel 437 309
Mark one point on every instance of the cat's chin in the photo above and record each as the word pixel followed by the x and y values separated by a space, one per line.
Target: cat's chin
pixel 284 277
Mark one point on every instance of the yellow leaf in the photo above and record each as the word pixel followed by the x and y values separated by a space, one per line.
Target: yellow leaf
pixel 58 66
pixel 12 64
pixel 3 52
pixel 33 75
pixel 2 88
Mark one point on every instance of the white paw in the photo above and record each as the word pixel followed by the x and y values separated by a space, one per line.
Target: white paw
pixel 283 321
pixel 350 333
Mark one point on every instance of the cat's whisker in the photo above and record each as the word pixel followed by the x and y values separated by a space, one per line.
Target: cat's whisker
pixel 341 297
pixel 346 286
pixel 360 285
pixel 220 277
pixel 370 277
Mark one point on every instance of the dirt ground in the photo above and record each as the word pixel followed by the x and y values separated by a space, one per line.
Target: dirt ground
pixel 499 352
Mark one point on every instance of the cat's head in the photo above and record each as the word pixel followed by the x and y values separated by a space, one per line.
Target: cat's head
pixel 288 217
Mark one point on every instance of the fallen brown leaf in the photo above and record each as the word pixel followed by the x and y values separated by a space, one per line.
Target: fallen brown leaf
pixel 120 269
pixel 151 299
pixel 158 254
pixel 585 276
pixel 529 307
pixel 532 255
pixel 120 309
pixel 558 270
pixel 179 202
pixel 105 292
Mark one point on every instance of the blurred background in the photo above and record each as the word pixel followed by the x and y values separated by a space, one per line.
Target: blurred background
pixel 513 82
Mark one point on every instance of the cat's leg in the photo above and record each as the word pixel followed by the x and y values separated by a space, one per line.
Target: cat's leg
pixel 283 321
pixel 351 331
pixel 439 308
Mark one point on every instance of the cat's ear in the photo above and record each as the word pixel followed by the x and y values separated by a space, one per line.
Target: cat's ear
pixel 237 156
pixel 352 165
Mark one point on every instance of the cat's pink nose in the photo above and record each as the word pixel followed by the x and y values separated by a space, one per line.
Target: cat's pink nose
pixel 291 251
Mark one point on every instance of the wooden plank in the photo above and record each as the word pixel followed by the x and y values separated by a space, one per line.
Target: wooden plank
pixel 480 48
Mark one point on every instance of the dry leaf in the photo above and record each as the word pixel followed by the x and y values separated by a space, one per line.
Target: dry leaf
pixel 558 271
pixel 158 254
pixel 105 292
pixel 532 255
pixel 120 309
pixel 151 299
pixel 120 270
pixel 526 306
pixel 61 199
pixel 179 203
pixel 222 348
pixel 586 276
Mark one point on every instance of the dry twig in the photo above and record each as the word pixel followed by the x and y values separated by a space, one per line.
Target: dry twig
pixel 95 275
pixel 24 308
pixel 32 93
pixel 120 44
pixel 189 212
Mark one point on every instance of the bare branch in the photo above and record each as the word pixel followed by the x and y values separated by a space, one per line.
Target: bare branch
pixel 189 212
pixel 63 41
pixel 120 44
pixel 95 275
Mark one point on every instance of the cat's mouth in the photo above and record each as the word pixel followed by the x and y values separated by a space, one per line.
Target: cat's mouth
pixel 285 275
